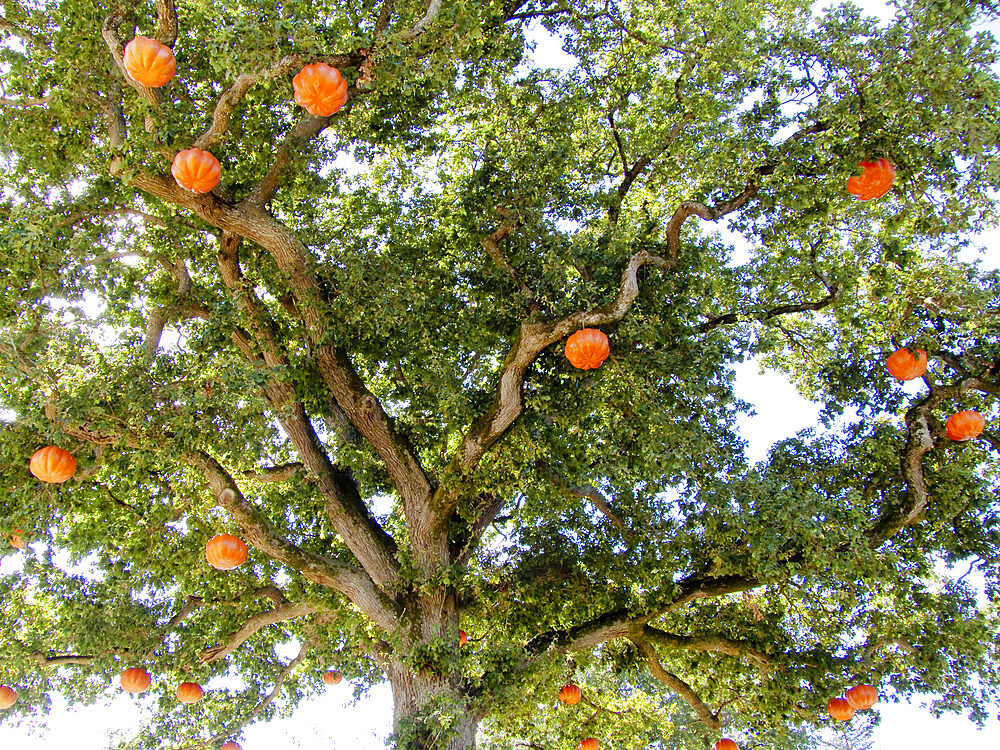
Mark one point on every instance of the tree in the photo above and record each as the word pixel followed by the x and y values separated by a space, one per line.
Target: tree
pixel 350 355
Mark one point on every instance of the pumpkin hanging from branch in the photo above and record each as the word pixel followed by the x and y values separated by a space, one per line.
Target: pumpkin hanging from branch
pixel 840 709
pixel 332 677
pixel 587 348
pixel 320 89
pixel 874 181
pixel 862 696
pixel 965 425
pixel 462 638
pixel 189 692
pixel 8 697
pixel 231 746
pixel 906 365
pixel 150 63
pixel 225 552
pixel 725 744
pixel 196 170
pixel 135 680
pixel 590 744
pixel 15 538
pixel 53 465
pixel 570 694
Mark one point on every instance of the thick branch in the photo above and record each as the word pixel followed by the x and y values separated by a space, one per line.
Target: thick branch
pixel 421 26
pixel 255 624
pixel 349 580
pixel 275 473
pixel 678 685
pixel 714 643
pixel 109 31
pixel 166 28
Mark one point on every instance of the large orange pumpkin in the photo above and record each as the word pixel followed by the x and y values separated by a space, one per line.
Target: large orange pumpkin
pixel 135 680
pixel 862 696
pixel 590 744
pixel 196 170
pixel 840 709
pixel 725 744
pixel 570 694
pixel 966 425
pixel 231 746
pixel 332 678
pixel 150 63
pixel 189 692
pixel 8 697
pixel 225 552
pixel 320 89
pixel 587 348
pixel 874 181
pixel 52 464
pixel 905 365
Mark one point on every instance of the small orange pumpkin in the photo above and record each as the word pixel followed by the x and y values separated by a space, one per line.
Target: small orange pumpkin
pixel 135 680
pixel 332 678
pixel 906 365
pixel 965 425
pixel 462 638
pixel 570 694
pixel 840 709
pixel 196 170
pixel 862 696
pixel 150 63
pixel 189 692
pixel 8 697
pixel 590 744
pixel 725 744
pixel 320 89
pixel 15 538
pixel 231 746
pixel 874 181
pixel 52 464
pixel 225 552
pixel 587 348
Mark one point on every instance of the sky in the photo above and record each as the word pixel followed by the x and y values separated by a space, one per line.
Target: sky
pixel 337 720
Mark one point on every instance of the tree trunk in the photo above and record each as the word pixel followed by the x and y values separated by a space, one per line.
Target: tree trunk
pixel 429 711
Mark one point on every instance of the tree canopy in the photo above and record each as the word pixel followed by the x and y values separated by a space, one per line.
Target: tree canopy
pixel 350 355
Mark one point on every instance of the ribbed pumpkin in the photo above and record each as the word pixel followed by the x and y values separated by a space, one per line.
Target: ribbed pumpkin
pixel 231 746
pixel 587 348
pixel 862 696
pixel 8 697
pixel 332 677
pixel 225 552
pixel 135 680
pixel 189 692
pixel 874 181
pixel 840 709
pixel 590 744
pixel 570 694
pixel 725 744
pixel 905 365
pixel 966 425
pixel 150 63
pixel 52 464
pixel 320 89
pixel 196 170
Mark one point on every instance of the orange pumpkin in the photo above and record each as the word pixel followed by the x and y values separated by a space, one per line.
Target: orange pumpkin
pixel 570 694
pixel 150 63
pixel 840 709
pixel 231 746
pixel 189 692
pixel 966 425
pixel 8 697
pixel 874 181
pixel 725 744
pixel 590 744
pixel 587 348
pixel 196 170
pixel 135 680
pixel 332 678
pixel 462 638
pixel 905 365
pixel 15 538
pixel 320 89
pixel 862 696
pixel 225 552
pixel 52 464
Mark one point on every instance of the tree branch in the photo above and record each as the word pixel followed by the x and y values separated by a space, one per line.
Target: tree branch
pixel 280 473
pixel 421 26
pixel 678 685
pixel 714 643
pixel 255 624
pixel 166 28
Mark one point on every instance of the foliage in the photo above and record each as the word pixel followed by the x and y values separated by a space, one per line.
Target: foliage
pixel 350 355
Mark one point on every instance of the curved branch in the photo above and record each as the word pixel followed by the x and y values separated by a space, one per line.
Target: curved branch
pixel 421 26
pixel 715 643
pixel 109 31
pixel 255 624
pixel 678 685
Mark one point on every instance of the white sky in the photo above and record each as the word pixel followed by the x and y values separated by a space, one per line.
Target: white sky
pixel 335 720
